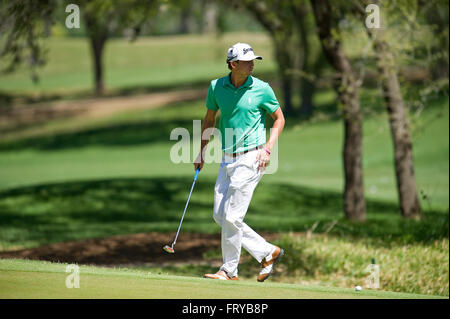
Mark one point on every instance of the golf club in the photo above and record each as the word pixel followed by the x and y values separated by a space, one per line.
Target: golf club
pixel 168 248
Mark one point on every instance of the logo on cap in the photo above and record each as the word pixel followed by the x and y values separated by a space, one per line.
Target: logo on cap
pixel 239 51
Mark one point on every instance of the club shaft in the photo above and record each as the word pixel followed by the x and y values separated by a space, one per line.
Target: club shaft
pixel 182 217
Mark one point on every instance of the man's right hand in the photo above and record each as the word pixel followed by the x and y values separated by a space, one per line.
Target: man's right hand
pixel 199 162
pixel 209 121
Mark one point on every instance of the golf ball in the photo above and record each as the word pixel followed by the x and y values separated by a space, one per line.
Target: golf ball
pixel 358 288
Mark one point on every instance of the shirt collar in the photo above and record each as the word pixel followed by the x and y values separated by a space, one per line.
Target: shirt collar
pixel 247 83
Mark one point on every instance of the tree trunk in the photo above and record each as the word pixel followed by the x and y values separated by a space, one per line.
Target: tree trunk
pixel 97 46
pixel 97 34
pixel 347 88
pixel 398 120
pixel 307 87
pixel 185 24
pixel 287 94
pixel 284 58
pixel 307 92
pixel 279 27
pixel 209 17
pixel 354 202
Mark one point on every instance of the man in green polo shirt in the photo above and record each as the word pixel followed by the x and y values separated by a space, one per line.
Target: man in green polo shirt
pixel 243 101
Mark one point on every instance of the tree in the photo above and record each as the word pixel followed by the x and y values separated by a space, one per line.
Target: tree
pixel 347 86
pixel 398 120
pixel 312 56
pixel 24 23
pixel 22 26
pixel 105 18
pixel 298 55
pixel 436 15
pixel 276 17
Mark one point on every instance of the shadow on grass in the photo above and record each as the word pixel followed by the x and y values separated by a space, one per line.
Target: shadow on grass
pixel 33 216
pixel 143 132
pixel 8 100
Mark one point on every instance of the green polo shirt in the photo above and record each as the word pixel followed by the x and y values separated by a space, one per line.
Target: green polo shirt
pixel 243 111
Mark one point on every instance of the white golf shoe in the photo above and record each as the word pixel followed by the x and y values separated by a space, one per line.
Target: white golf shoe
pixel 221 275
pixel 268 263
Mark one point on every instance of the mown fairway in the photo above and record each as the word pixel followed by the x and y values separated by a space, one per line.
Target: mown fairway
pixel 31 279
pixel 117 177
pixel 155 62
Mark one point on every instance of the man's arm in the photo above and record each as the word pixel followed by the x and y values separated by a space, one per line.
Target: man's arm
pixel 208 122
pixel 277 128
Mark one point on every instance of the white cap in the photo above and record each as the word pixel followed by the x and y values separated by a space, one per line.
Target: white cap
pixel 241 52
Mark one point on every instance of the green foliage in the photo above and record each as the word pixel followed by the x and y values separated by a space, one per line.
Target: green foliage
pixel 297 261
pixel 342 261
pixel 23 24
pixel 112 16
pixel 149 63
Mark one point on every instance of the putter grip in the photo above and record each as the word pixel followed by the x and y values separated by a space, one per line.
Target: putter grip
pixel 196 173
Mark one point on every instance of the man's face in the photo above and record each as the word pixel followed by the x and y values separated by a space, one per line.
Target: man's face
pixel 243 67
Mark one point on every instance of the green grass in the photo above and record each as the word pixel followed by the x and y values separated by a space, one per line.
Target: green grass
pixel 50 213
pixel 33 279
pixel 341 261
pixel 83 178
pixel 138 145
pixel 95 178
pixel 147 62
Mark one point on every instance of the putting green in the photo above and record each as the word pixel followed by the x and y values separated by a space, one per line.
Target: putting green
pixel 36 279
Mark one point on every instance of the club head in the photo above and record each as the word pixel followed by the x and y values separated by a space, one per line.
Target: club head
pixel 169 249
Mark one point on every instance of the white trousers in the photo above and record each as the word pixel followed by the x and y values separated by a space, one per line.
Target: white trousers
pixel 237 179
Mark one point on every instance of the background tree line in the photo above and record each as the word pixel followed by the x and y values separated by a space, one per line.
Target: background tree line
pixel 308 39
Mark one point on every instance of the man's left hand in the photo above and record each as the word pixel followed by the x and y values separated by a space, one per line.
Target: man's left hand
pixel 263 159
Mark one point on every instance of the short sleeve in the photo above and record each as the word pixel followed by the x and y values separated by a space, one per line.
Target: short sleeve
pixel 270 103
pixel 211 102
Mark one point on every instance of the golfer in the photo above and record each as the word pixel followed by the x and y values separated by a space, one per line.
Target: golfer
pixel 243 101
